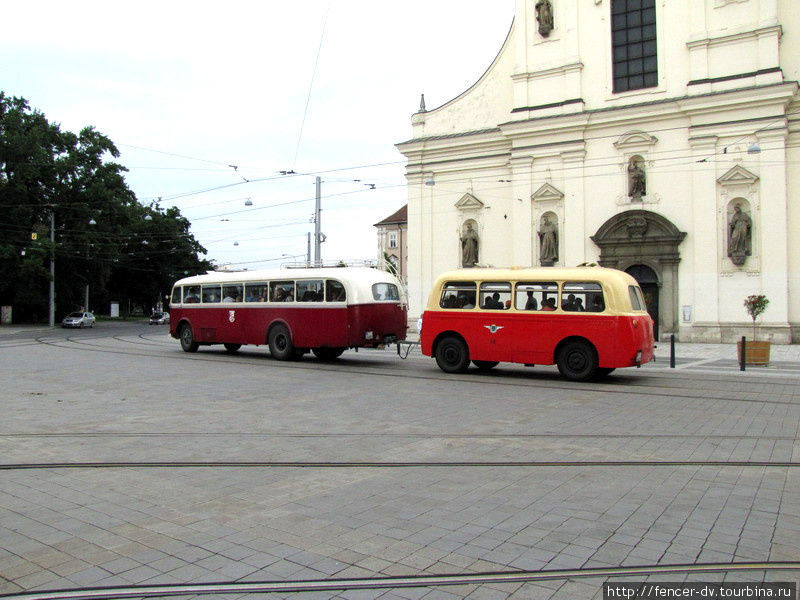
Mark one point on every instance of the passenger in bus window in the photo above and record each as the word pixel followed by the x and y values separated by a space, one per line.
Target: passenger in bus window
pixel 530 303
pixel 569 303
pixel 579 305
pixel 597 304
pixel 549 304
pixel 466 301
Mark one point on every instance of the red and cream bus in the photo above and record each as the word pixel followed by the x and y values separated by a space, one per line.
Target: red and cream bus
pixel 587 320
pixel 325 310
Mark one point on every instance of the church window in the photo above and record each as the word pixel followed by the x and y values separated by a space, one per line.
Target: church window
pixel 633 35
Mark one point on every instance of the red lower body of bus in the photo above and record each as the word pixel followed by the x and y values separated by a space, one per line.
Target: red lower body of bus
pixel 620 341
pixel 364 325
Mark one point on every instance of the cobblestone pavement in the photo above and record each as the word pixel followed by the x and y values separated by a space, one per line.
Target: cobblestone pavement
pixel 129 394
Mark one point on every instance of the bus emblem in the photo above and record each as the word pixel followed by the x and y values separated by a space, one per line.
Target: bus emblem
pixel 494 328
pixel 232 316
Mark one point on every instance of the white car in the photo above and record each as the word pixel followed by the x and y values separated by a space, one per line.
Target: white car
pixel 78 319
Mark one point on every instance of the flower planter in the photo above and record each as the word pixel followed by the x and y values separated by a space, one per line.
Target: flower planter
pixel 757 353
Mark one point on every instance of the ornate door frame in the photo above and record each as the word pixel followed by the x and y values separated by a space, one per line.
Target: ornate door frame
pixel 643 237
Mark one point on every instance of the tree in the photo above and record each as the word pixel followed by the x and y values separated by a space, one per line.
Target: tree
pixel 755 305
pixel 101 236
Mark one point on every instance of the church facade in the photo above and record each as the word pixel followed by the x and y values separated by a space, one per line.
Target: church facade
pixel 657 137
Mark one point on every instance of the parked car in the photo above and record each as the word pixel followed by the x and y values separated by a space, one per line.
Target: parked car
pixel 78 319
pixel 159 318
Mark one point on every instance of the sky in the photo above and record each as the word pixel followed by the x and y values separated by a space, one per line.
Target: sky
pixel 189 90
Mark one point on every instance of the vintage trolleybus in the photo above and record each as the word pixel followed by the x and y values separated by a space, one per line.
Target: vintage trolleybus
pixel 325 310
pixel 588 320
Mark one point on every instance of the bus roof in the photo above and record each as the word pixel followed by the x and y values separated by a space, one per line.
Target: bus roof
pixel 593 273
pixel 365 275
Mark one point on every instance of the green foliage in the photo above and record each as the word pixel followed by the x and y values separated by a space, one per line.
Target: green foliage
pixel 121 256
pixel 755 305
pixel 388 265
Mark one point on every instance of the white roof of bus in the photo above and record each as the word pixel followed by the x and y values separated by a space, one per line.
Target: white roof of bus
pixel 591 273
pixel 364 275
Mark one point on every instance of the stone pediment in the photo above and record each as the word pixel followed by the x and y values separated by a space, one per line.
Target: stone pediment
pixel 547 192
pixel 738 175
pixel 635 140
pixel 469 202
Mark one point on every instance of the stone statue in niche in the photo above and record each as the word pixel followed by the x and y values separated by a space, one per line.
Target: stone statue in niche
pixel 548 242
pixel 637 180
pixel 739 236
pixel 544 16
pixel 469 246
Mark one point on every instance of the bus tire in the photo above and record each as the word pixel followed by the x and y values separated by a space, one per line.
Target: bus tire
pixel 327 354
pixel 485 365
pixel 452 355
pixel 577 361
pixel 232 348
pixel 280 343
pixel 187 339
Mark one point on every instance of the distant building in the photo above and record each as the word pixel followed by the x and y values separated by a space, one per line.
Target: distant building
pixel 660 138
pixel 393 241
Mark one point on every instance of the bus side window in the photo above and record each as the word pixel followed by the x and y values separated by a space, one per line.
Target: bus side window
pixel 334 291
pixel 578 296
pixel 495 295
pixel 458 294
pixel 191 294
pixel 255 292
pixel 281 291
pixel 535 295
pixel 310 291
pixel 176 295
pixel 212 294
pixel 232 292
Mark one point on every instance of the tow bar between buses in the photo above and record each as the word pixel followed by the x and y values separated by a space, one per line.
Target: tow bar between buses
pixel 404 348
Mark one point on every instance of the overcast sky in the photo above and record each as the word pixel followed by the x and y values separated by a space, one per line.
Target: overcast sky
pixel 187 88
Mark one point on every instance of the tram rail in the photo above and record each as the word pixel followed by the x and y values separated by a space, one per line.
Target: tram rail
pixel 379 583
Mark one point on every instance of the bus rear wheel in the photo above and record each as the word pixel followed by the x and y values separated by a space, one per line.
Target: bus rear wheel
pixel 232 348
pixel 187 339
pixel 577 361
pixel 327 353
pixel 485 365
pixel 280 343
pixel 452 355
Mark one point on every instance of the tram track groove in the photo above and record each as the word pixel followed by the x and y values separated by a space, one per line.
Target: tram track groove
pixel 638 389
pixel 395 582
pixel 426 436
pixel 397 464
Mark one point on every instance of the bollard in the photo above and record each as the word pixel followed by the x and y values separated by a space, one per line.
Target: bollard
pixel 743 357
pixel 672 351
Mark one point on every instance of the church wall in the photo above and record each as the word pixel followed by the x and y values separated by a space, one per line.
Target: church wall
pixel 544 154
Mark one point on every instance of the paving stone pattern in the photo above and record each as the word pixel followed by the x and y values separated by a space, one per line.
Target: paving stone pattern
pixel 88 527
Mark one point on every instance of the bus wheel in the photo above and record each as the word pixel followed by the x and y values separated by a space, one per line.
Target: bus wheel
pixel 327 353
pixel 187 339
pixel 485 365
pixel 280 343
pixel 577 361
pixel 452 355
pixel 232 348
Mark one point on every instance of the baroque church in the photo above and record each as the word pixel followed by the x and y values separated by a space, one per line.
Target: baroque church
pixel 659 137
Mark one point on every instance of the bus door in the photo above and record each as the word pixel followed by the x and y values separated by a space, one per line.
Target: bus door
pixel 535 321
pixel 493 325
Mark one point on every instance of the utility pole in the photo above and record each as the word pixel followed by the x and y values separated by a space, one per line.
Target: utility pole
pixel 52 267
pixel 308 250
pixel 317 224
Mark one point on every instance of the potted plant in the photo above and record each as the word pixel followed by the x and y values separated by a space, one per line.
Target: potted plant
pixel 757 353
